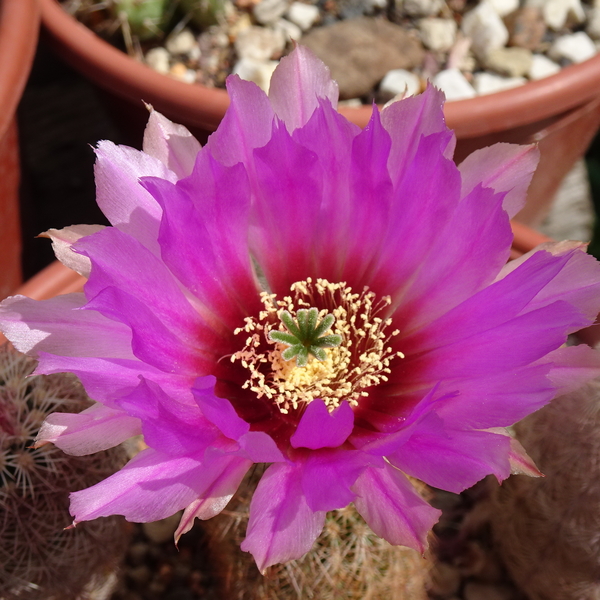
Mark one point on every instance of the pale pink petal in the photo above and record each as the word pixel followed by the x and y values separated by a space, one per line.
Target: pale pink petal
pixel 126 204
pixel 571 367
pixel 63 239
pixel 150 487
pixel 96 428
pixel 520 462
pixel 393 509
pixel 171 143
pixel 58 326
pixel 297 84
pixel 504 168
pixel 226 475
pixel 282 527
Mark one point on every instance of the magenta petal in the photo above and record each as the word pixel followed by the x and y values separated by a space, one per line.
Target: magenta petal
pixel 318 428
pixel 339 469
pixel 58 326
pixel 219 411
pixel 297 84
pixel 106 380
pixel 212 261
pixel 170 143
pixel 153 342
pixel 504 168
pixel 119 261
pixel 150 487
pixel 498 401
pixel 289 195
pixel 477 236
pixel 282 527
pixel 429 202
pixel 246 125
pixel 260 447
pixel 577 281
pixel 226 475
pixel 95 429
pixel 452 459
pixel 409 121
pixel 514 344
pixel 169 426
pixel 393 509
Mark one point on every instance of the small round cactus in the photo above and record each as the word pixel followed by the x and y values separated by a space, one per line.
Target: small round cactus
pixel 347 561
pixel 38 559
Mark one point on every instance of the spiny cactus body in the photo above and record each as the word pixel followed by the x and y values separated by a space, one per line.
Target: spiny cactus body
pixel 548 530
pixel 38 559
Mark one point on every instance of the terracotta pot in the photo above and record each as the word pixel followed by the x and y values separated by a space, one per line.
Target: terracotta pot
pixel 19 23
pixel 561 113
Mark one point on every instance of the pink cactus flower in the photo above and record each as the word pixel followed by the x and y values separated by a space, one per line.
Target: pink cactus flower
pixel 331 301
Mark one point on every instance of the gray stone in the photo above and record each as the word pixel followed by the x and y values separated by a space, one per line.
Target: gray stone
pixel 575 47
pixel 485 28
pixel 512 62
pixel 453 83
pixel 422 8
pixel 268 11
pixel 526 28
pixel 542 66
pixel 438 34
pixel 359 52
pixel 303 15
pixel 259 43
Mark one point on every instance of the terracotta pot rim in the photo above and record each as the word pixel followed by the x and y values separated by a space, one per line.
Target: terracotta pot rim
pixel 204 107
pixel 19 27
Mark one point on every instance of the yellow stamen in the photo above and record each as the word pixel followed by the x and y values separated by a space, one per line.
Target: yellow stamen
pixel 360 362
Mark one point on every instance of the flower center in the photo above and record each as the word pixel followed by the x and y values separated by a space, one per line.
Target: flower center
pixel 335 349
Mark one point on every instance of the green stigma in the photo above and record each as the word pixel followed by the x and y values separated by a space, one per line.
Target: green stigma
pixel 305 335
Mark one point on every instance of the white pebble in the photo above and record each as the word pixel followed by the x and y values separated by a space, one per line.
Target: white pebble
pixel 485 28
pixel 259 43
pixel 487 83
pixel 542 66
pixel 575 47
pixel 290 30
pixel 268 11
pixel 504 7
pixel 438 34
pixel 556 13
pixel 258 72
pixel 453 83
pixel 158 59
pixel 593 24
pixel 303 15
pixel 400 81
pixel 181 43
